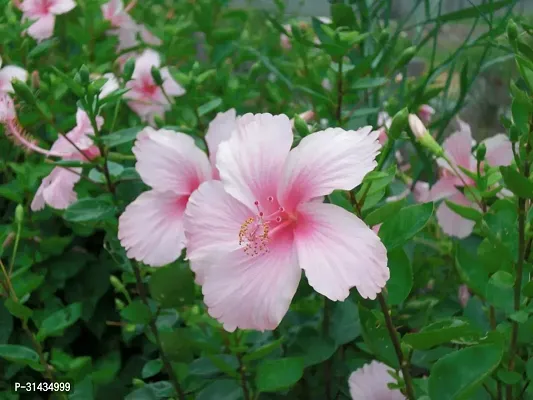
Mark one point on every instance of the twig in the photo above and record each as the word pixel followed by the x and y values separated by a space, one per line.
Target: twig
pixel 404 365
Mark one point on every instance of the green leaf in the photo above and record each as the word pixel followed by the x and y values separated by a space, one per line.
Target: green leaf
pixel 517 183
pixel 521 111
pixel 60 320
pixel 474 11
pixel 43 47
pixel 465 211
pixel 312 347
pixel 377 337
pixel 209 106
pixel 529 368
pixel 178 344
pixel 6 324
pixel 20 355
pixel 281 374
pixel 400 282
pixel 527 290
pixel 343 15
pixel 151 368
pixel 384 212
pixel 339 198
pixel 120 137
pixel 173 286
pixel 344 323
pixel 369 83
pixel 509 377
pixel 471 270
pixel 89 209
pixel 221 390
pixel 458 374
pixel 500 291
pixel 136 312
pixel 18 310
pixel 262 351
pixel 405 224
pixel 226 367
pixel 439 333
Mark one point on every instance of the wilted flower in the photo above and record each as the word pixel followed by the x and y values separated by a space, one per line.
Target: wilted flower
pixel 145 97
pixel 463 294
pixel 57 189
pixel 151 228
pixel 371 383
pixel 457 149
pixel 43 13
pixel 250 235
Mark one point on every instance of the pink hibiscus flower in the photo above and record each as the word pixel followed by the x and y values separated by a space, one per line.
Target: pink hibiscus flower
pixel 371 383
pixel 44 12
pixel 250 235
pixel 151 228
pixel 458 149
pixel 145 97
pixel 57 189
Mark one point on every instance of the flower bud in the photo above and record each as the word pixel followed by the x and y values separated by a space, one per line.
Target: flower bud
pixel 116 283
pixel 129 67
pixel 481 151
pixel 19 214
pixel 35 81
pixel 423 136
pixel 300 126
pixel 84 75
pixel 383 37
pixel 23 91
pixel 512 30
pixel 156 75
pixel 7 108
pixel 399 121
pixel 405 57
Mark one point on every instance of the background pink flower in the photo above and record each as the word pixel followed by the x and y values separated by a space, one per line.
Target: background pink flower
pixel 44 12
pixel 151 228
pixel 371 383
pixel 250 235
pixel 145 97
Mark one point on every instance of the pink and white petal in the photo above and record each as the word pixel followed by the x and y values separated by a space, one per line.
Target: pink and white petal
pixel 31 8
pixel 170 161
pixel 57 189
pixel 151 228
pixel 452 223
pixel 42 28
pixel 371 383
pixel 443 188
pixel 219 130
pixel 148 37
pixel 325 161
pixel 248 292
pixel 172 87
pixel 8 73
pixel 144 63
pixel 421 192
pixel 110 86
pixel 213 220
pixel 338 251
pixel 251 161
pixel 458 146
pixel 62 6
pixel 499 150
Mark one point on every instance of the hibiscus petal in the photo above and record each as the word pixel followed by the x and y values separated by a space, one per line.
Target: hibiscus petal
pixel 452 223
pixel 57 189
pixel 499 150
pixel 219 130
pixel 338 251
pixel 371 383
pixel 151 228
pixel 443 188
pixel 172 88
pixel 325 161
pixel 251 161
pixel 8 73
pixel 43 28
pixel 248 292
pixel 458 147
pixel 170 161
pixel 62 6
pixel 212 223
pixel 144 63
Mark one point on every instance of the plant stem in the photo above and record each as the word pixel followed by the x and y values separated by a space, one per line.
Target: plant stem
pixel 153 327
pixel 245 392
pixel 404 364
pixel 15 247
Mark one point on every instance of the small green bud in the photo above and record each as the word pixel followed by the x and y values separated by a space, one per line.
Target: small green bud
pixel 116 283
pixel 129 67
pixel 23 91
pixel 84 75
pixel 383 37
pixel 137 383
pixel 300 126
pixel 398 124
pixel 512 31
pixel 19 214
pixel 405 57
pixel 423 136
pixel 481 151
pixel 119 304
pixel 158 79
pixel 159 122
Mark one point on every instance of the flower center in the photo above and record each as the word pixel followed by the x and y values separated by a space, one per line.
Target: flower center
pixel 256 232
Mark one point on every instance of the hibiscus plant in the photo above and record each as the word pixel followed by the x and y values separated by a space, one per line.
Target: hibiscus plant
pixel 201 201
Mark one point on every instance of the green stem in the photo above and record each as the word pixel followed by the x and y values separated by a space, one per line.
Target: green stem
pixel 15 247
pixel 404 364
